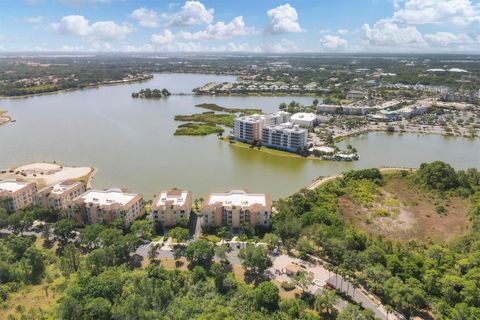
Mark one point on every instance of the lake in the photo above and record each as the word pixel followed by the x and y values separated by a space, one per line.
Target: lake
pixel 131 143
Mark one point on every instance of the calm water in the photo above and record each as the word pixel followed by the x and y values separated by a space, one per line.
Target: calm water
pixel 131 142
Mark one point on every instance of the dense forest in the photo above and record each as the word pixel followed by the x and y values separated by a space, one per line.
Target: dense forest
pixel 92 272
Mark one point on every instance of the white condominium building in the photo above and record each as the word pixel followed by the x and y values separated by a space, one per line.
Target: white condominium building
pixel 16 194
pixel 249 128
pixel 168 207
pixel 57 196
pixel 286 136
pixel 235 208
pixel 96 206
pixel 304 119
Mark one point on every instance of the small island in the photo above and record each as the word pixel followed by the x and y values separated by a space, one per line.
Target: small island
pixel 198 129
pixel 151 93
pixel 209 122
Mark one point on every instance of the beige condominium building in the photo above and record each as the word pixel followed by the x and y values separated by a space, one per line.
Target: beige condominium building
pixel 168 207
pixel 16 194
pixel 96 206
pixel 59 195
pixel 235 208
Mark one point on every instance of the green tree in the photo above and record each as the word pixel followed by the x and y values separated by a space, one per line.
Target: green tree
pixel 33 265
pixel 255 260
pixel 70 259
pixel 63 230
pixel 271 240
pixel 325 301
pixel 142 228
pixel 266 296
pixel 98 309
pixel 303 279
pixel 178 233
pixel 200 253
pixel 437 175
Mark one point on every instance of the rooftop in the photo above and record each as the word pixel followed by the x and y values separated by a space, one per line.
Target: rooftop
pixel 237 198
pixel 304 116
pixel 178 197
pixel 107 197
pixel 63 186
pixel 12 185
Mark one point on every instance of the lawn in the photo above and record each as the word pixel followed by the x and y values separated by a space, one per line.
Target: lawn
pixel 197 129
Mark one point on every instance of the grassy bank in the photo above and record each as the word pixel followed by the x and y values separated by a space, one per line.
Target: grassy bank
pixel 216 107
pixel 208 118
pixel 197 129
pixel 266 150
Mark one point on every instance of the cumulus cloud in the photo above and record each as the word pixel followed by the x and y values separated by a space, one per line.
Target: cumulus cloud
pixel 388 33
pixel 192 13
pixel 445 39
pixel 217 31
pixel 283 19
pixel 333 43
pixel 79 26
pixel 146 17
pixel 457 12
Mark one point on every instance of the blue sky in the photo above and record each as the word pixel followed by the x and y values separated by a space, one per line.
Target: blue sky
pixel 240 26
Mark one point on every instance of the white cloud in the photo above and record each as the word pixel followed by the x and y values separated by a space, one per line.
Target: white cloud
pixel 283 46
pixel 457 12
pixel 283 19
pixel 34 20
pixel 342 31
pixel 192 13
pixel 163 38
pixel 333 43
pixel 79 26
pixel 445 39
pixel 217 31
pixel 146 17
pixel 388 33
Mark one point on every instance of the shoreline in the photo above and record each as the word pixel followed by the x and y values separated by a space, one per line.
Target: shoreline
pixel 324 180
pixel 269 151
pixel 92 86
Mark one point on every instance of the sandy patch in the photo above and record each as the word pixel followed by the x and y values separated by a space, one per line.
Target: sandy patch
pixel 411 214
pixel 44 174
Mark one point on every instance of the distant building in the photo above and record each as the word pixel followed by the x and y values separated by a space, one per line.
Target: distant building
pixel 278 117
pixel 356 95
pixel 285 136
pixel 17 194
pixel 235 208
pixel 414 110
pixel 304 119
pixel 168 207
pixel 344 109
pixel 457 97
pixel 96 206
pixel 57 196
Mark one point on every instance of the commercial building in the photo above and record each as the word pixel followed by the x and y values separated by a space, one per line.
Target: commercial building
pixel 59 195
pixel 235 208
pixel 304 119
pixel 285 136
pixel 17 194
pixel 95 206
pixel 356 95
pixel 168 207
pixel 413 110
